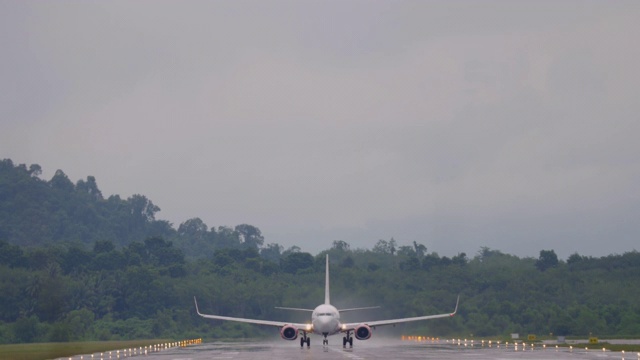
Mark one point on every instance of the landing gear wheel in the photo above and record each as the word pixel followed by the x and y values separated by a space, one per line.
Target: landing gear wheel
pixel 350 342
pixel 302 342
pixel 325 342
pixel 344 341
pixel 308 342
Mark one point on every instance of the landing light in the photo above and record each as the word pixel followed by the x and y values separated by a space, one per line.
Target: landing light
pixel 344 327
pixel 308 327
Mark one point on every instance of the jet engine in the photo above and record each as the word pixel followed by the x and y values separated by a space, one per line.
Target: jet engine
pixel 363 332
pixel 289 332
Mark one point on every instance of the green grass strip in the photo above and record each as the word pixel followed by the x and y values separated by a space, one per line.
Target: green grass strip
pixel 43 351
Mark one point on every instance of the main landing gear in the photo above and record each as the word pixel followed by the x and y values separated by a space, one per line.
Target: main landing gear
pixel 305 340
pixel 347 339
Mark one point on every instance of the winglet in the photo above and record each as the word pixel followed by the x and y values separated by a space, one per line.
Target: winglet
pixel 456 309
pixel 195 301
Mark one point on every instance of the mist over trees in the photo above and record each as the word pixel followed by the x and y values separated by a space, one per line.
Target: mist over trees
pixel 77 266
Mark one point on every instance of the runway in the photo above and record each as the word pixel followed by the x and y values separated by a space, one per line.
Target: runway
pixel 373 349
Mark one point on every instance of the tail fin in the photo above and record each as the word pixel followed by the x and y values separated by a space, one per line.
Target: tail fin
pixel 327 297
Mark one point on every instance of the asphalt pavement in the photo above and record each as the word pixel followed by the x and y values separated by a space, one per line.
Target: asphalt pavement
pixel 367 350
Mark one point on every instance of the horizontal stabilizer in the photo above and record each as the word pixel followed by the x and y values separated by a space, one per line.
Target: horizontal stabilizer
pixel 360 308
pixel 295 309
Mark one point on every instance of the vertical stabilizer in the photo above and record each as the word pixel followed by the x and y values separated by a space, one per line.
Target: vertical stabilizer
pixel 327 299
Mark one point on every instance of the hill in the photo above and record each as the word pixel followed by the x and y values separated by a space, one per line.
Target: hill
pixel 37 212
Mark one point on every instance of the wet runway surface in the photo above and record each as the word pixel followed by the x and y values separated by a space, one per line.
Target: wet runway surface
pixel 376 349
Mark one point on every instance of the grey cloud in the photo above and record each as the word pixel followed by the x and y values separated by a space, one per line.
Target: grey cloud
pixel 459 125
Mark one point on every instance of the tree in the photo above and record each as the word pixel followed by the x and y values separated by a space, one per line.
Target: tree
pixel 296 261
pixel 406 251
pixel 250 236
pixel 103 246
pixel 141 208
pixel 90 187
pixel 411 264
pixel 26 329
pixel 385 247
pixel 61 181
pixel 574 259
pixel 460 259
pixel 485 253
pixel 194 227
pixel 35 170
pixel 162 253
pixel 11 255
pixel 431 260
pixel 226 237
pixel 340 245
pixel 348 262
pixel 271 252
pixel 79 322
pixel 547 259
pixel 419 249
pixel 292 250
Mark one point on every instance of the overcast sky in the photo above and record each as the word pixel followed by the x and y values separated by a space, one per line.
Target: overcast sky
pixel 508 124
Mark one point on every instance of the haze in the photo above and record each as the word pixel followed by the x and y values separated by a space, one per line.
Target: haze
pixel 507 124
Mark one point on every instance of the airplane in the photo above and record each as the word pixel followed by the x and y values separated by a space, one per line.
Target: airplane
pixel 325 321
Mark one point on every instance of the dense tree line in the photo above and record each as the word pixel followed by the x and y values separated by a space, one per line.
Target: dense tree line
pixel 76 266
pixel 145 289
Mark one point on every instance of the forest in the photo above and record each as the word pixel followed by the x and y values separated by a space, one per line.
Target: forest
pixel 77 266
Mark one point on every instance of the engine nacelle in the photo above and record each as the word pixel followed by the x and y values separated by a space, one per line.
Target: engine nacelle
pixel 289 332
pixel 363 332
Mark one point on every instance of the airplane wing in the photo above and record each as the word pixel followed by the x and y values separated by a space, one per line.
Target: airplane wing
pixel 352 326
pixel 250 321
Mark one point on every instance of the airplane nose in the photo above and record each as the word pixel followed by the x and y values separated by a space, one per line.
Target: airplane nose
pixel 329 323
pixel 324 324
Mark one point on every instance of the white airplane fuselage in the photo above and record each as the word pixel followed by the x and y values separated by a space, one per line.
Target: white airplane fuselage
pixel 325 320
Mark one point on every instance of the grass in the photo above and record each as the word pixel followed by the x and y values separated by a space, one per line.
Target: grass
pixel 42 351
